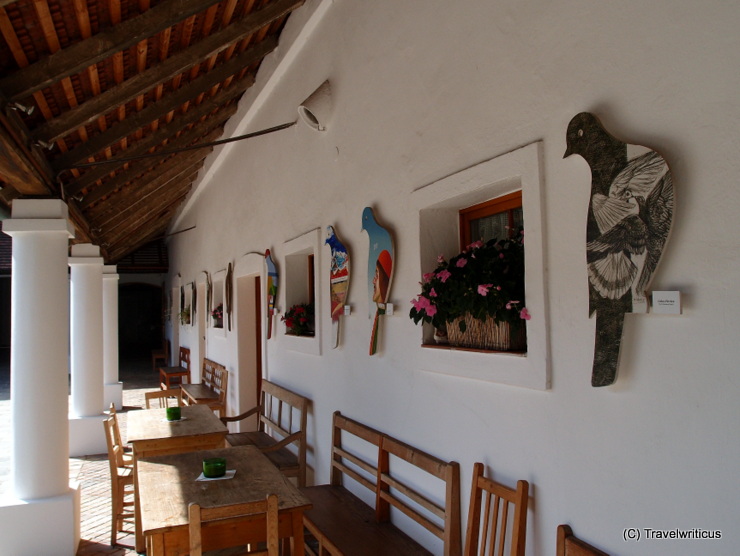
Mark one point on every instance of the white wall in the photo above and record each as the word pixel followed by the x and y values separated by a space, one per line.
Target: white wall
pixel 423 89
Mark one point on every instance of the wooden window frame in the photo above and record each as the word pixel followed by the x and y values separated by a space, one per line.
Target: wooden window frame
pixel 505 203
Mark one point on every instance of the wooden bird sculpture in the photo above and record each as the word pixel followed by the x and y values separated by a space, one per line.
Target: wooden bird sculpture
pixel 630 214
pixel 380 265
pixel 338 280
pixel 272 289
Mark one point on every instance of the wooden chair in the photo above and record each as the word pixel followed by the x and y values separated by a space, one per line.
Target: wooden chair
pixel 128 458
pixel 220 386
pixel 282 416
pixel 183 357
pixel 490 530
pixel 162 354
pixel 164 397
pixel 269 506
pixel 122 476
pixel 570 545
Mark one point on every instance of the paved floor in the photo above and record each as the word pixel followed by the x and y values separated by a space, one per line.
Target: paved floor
pixel 90 471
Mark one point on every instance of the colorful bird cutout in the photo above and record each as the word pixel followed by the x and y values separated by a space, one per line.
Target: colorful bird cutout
pixel 630 214
pixel 380 265
pixel 272 289
pixel 338 280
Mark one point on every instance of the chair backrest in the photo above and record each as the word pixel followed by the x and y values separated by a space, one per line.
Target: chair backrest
pixel 570 545
pixel 354 452
pixel 115 448
pixel 199 516
pixel 220 384
pixel 184 357
pixel 116 429
pixel 441 517
pixel 489 530
pixel 207 372
pixel 283 412
pixel 164 398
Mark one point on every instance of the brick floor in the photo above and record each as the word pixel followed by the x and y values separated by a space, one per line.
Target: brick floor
pixel 90 471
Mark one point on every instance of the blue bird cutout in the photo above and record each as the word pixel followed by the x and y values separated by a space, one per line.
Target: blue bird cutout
pixel 630 215
pixel 380 265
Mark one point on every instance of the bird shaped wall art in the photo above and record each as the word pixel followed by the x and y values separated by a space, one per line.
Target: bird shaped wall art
pixel 272 289
pixel 338 280
pixel 630 214
pixel 380 265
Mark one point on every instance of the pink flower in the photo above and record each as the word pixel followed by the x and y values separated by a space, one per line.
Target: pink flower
pixel 443 275
pixel 524 314
pixel 510 303
pixel 500 255
pixel 483 289
pixel 432 293
pixel 440 258
pixel 428 276
pixel 420 303
pixel 461 262
pixel 474 245
pixel 431 310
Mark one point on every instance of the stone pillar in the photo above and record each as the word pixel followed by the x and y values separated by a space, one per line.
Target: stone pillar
pixel 113 389
pixel 86 348
pixel 41 492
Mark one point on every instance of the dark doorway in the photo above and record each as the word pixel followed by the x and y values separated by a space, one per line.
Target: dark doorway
pixel 139 319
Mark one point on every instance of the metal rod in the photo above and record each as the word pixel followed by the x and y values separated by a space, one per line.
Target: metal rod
pixel 182 149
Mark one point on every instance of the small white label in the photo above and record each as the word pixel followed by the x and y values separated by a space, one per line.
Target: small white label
pixel 347 309
pixel 667 303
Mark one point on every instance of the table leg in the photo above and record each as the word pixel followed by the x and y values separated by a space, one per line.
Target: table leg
pixel 139 542
pixel 297 543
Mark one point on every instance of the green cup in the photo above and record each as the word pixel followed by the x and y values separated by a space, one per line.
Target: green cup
pixel 214 467
pixel 173 414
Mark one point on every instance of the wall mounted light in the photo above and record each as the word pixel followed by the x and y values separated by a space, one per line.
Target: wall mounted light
pixel 316 110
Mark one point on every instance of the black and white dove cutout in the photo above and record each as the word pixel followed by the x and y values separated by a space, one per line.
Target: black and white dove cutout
pixel 630 214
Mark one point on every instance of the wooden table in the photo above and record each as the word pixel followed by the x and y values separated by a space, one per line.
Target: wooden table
pixel 166 374
pixel 150 434
pixel 167 485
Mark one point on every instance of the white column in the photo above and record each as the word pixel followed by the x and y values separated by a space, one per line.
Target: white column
pixel 113 389
pixel 39 347
pixel 41 492
pixel 86 338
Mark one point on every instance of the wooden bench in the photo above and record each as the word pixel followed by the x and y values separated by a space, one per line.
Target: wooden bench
pixel 212 390
pixel 282 416
pixel 341 523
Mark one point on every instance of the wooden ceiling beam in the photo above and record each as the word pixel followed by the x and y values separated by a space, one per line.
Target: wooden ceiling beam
pixel 165 132
pixel 144 216
pixel 160 108
pixel 160 175
pixel 144 235
pixel 136 170
pixel 77 57
pixel 138 85
pixel 152 193
pixel 18 170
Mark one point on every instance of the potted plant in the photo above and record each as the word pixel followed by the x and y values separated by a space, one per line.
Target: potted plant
pixel 477 296
pixel 299 320
pixel 218 316
pixel 185 315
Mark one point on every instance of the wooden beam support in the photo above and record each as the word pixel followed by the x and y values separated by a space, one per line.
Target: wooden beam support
pixel 138 85
pixel 18 170
pixel 151 193
pixel 158 109
pixel 136 170
pixel 165 132
pixel 145 215
pixel 78 57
